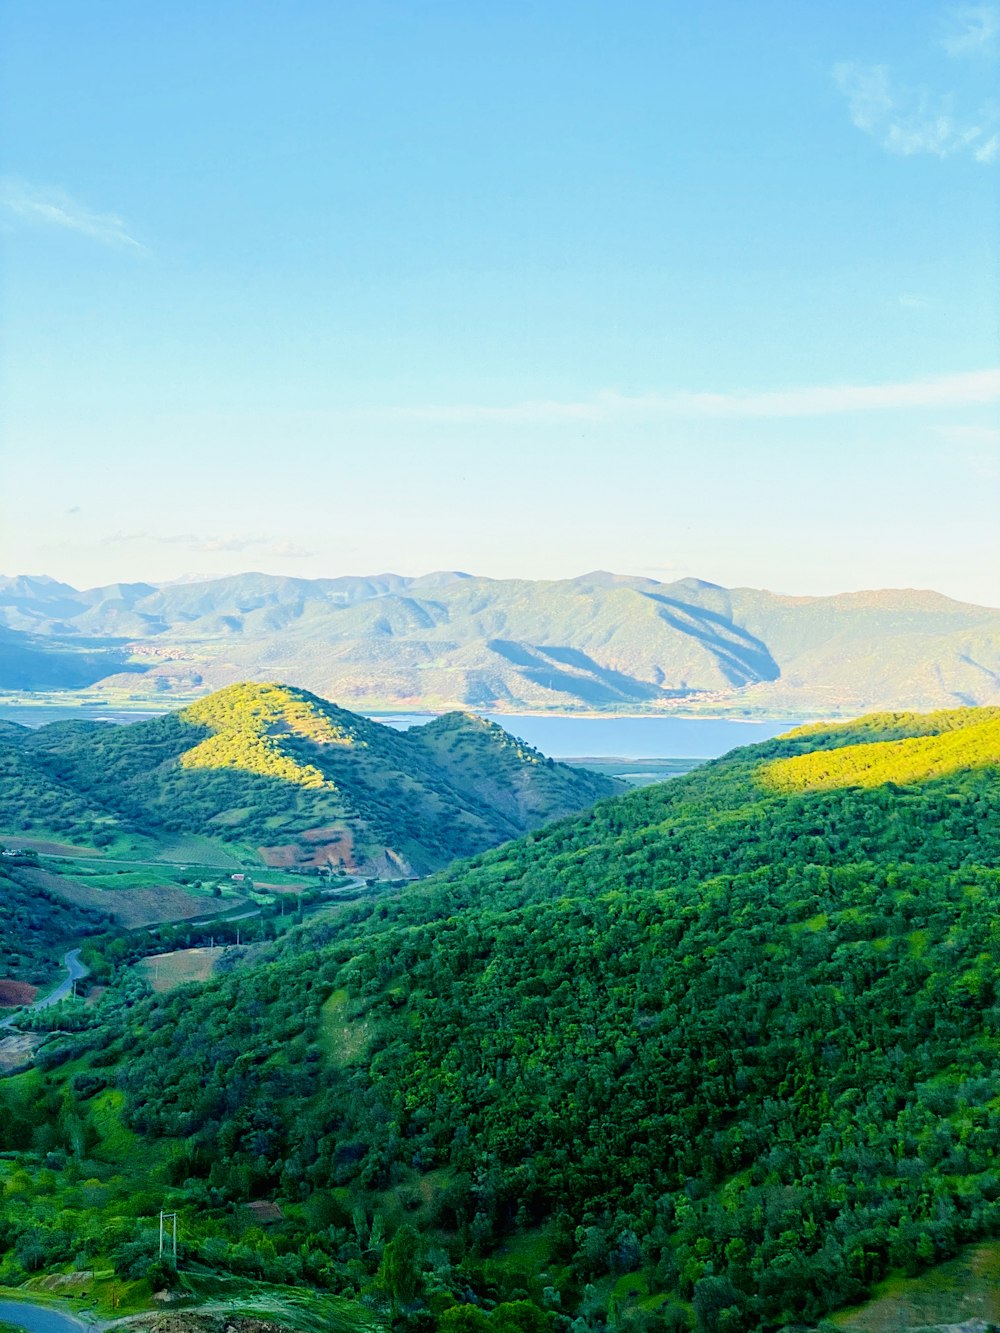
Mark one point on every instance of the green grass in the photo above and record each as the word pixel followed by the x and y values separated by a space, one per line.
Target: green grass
pixel 342 1039
pixel 297 1308
pixel 118 1144
pixel 964 1289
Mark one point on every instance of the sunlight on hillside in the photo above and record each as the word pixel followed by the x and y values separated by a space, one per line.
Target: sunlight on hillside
pixel 249 721
pixel 913 759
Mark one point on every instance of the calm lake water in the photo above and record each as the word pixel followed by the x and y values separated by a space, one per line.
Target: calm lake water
pixel 560 737
pixel 625 737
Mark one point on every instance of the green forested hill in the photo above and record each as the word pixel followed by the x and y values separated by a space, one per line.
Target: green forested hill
pixel 290 779
pixel 722 1052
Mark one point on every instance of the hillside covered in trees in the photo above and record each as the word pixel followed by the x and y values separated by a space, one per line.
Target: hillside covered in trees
pixel 719 1053
pixel 288 779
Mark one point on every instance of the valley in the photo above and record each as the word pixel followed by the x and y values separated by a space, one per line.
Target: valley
pixel 713 1054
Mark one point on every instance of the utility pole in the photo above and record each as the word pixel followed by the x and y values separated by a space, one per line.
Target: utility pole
pixel 172 1219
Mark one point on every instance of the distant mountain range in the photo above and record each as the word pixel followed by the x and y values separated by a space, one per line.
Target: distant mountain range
pixel 601 642
pixel 285 779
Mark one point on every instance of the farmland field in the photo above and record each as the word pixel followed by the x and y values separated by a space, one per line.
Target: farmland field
pixel 134 905
pixel 166 971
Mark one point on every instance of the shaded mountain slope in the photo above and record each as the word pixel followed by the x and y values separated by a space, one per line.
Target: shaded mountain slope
pixel 291 778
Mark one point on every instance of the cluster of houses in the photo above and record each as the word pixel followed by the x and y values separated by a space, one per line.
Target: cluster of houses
pixel 18 854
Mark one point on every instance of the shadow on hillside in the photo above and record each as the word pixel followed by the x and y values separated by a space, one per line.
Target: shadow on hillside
pixel 585 679
pixel 742 659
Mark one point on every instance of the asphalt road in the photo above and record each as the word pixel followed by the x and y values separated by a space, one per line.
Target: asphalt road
pixel 75 970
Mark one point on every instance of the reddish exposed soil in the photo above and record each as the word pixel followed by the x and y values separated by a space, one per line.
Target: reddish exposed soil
pixel 325 844
pixel 15 993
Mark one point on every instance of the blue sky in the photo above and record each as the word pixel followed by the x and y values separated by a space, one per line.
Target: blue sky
pixel 525 289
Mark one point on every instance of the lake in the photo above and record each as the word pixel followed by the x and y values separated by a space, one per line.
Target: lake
pixel 561 737
pixel 624 737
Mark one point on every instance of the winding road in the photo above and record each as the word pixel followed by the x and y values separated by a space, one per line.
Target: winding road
pixel 75 970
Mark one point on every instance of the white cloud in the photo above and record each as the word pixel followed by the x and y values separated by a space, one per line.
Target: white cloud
pixel 941 391
pixel 975 31
pixel 280 550
pixel 214 545
pixel 910 121
pixel 117 538
pixel 46 207
pixel 287 551
pixel 866 87
pixel 229 543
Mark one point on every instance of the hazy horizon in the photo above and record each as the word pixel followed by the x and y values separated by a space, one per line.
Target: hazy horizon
pixel 190 579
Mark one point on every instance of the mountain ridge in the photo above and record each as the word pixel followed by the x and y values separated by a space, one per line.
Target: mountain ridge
pixel 292 780
pixel 598 642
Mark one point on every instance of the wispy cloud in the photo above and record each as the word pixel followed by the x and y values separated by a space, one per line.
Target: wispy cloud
pixel 213 545
pixel 977 446
pixel 910 121
pixel 45 207
pixel 974 31
pixel 280 550
pixel 120 538
pixel 942 391
pixel 229 543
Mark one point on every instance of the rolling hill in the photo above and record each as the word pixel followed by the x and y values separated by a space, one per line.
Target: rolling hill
pixel 717 1054
pixel 447 640
pixel 288 779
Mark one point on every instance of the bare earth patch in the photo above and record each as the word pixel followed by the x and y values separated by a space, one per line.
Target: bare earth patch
pixel 18 1050
pixel 15 993
pixel 330 842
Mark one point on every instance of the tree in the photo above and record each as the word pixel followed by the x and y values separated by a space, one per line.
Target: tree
pixel 400 1270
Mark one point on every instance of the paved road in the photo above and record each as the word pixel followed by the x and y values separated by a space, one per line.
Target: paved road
pixel 74 971
pixel 222 920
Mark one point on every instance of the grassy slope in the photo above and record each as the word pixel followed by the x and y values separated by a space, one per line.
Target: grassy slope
pixel 711 1043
